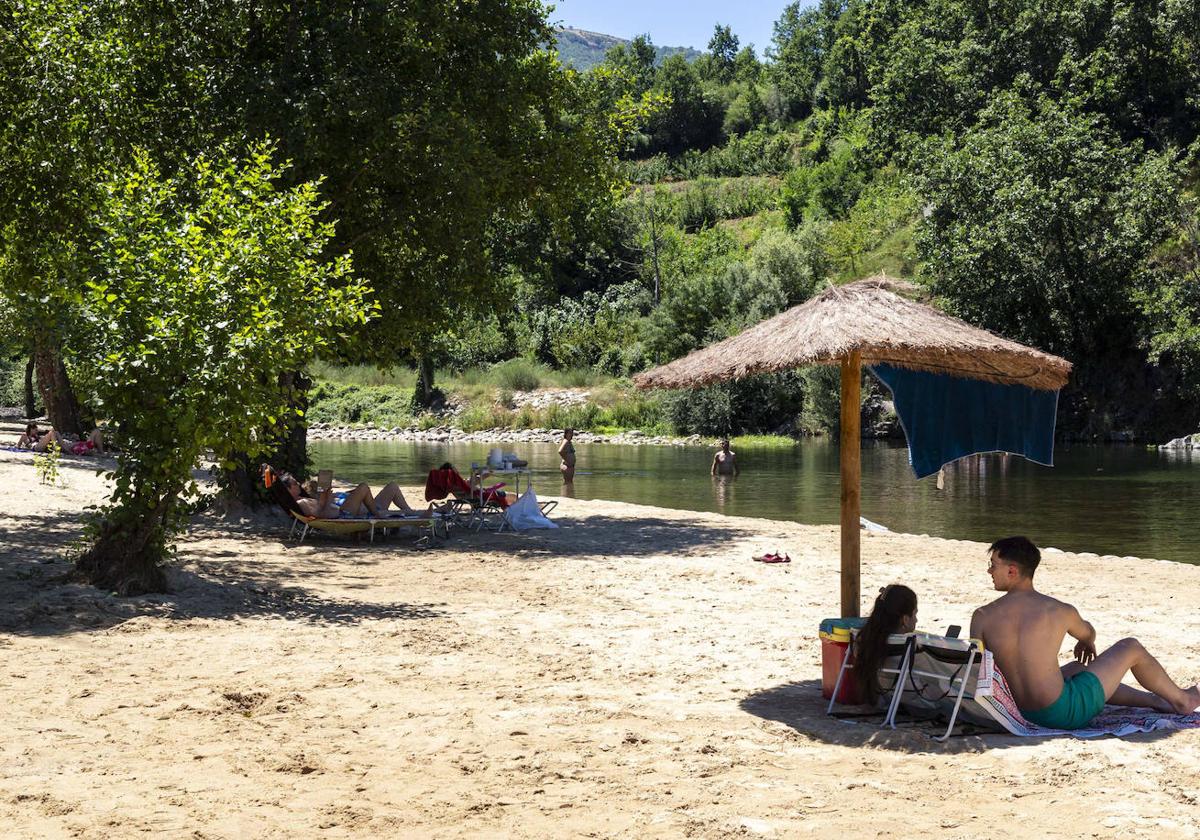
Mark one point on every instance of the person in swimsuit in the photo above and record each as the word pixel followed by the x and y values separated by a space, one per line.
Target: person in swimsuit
pixel 1024 630
pixel 37 440
pixel 566 451
pixel 725 461
pixel 358 502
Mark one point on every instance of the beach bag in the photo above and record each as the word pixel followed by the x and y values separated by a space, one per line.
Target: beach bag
pixel 524 513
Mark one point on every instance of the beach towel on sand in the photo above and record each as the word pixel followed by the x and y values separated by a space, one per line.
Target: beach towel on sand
pixel 994 694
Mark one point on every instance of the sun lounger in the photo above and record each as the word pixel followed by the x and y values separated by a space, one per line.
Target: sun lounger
pixel 437 522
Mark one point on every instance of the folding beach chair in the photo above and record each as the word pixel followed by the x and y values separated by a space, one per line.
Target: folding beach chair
pixel 942 678
pixel 896 662
pixel 475 508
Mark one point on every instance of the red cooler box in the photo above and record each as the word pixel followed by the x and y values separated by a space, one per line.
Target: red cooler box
pixel 835 638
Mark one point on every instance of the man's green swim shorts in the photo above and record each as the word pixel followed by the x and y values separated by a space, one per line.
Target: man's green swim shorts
pixel 1081 700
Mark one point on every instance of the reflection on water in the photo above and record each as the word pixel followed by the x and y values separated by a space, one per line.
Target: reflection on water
pixel 1120 500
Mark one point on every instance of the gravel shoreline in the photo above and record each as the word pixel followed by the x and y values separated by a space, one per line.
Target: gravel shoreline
pixel 445 434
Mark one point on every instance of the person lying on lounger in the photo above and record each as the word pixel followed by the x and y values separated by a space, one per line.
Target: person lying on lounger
pixel 1024 630
pixel 358 502
pixel 895 611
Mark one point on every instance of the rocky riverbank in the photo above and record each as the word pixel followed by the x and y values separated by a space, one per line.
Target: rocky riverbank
pixel 449 434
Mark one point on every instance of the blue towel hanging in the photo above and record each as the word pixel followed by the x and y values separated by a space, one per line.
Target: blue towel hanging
pixel 949 417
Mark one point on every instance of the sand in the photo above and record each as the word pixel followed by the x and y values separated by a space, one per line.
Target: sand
pixel 633 674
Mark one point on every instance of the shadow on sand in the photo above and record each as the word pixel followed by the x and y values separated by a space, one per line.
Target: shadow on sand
pixel 36 598
pixel 228 581
pixel 800 706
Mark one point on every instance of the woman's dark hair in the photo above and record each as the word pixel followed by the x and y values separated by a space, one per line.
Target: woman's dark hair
pixel 893 604
pixel 30 428
pixel 447 466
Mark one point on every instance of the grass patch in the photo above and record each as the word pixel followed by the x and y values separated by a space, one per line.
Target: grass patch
pixel 401 377
pixel 614 407
pixel 762 442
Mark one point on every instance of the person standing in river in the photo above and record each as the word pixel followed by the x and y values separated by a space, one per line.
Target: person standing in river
pixel 566 451
pixel 725 461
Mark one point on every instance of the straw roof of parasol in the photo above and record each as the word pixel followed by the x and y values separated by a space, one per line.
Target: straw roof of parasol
pixel 872 317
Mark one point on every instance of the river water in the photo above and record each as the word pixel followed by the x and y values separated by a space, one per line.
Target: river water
pixel 1121 500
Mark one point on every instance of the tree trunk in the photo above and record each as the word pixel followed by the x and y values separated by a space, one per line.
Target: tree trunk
pixel 291 455
pixel 127 555
pixel 30 403
pixel 55 387
pixel 425 388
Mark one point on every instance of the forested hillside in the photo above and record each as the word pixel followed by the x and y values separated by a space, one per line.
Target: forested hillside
pixel 583 50
pixel 1033 166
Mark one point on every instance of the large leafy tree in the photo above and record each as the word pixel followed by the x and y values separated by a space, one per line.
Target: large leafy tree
pixel 207 285
pixel 435 124
pixel 933 66
pixel 1039 223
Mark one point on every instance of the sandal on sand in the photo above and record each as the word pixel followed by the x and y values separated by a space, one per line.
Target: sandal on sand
pixel 766 558
pixel 776 558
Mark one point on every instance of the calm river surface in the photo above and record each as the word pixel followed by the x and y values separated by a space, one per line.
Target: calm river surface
pixel 1121 500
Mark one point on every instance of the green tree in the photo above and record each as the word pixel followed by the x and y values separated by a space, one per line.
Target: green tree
pixel 802 39
pixel 208 284
pixel 723 53
pixel 634 62
pixel 1170 297
pixel 689 119
pixel 1038 225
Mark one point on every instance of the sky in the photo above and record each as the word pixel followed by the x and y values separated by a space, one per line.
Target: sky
pixel 673 23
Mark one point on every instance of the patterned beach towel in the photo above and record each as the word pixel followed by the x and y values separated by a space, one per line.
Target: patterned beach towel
pixel 993 694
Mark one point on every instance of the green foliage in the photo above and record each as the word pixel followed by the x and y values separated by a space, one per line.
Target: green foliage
pixel 757 152
pixel 1170 297
pixel 821 411
pixel 827 189
pixel 692 117
pixel 350 404
pixel 762 442
pixel 209 284
pixel 1040 219
pixel 515 375
pixel 12 381
pixel 884 207
pixel 755 404
pixel 45 464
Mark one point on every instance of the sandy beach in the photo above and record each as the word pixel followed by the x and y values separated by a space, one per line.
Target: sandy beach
pixel 633 674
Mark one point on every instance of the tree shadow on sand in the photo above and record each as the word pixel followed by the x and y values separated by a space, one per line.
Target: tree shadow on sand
pixel 36 598
pixel 228 580
pixel 800 706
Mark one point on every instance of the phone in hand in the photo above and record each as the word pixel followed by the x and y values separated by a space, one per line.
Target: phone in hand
pixel 952 631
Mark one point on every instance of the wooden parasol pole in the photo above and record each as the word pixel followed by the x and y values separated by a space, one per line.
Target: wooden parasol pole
pixel 851 459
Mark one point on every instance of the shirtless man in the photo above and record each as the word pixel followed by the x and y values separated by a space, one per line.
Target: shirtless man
pixel 724 462
pixel 1024 630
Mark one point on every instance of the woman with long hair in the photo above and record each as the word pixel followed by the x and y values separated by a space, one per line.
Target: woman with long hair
pixel 895 611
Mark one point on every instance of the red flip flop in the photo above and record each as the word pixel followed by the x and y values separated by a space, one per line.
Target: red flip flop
pixel 767 558
pixel 777 558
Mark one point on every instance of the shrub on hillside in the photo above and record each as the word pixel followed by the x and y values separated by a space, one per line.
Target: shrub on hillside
pixel 515 375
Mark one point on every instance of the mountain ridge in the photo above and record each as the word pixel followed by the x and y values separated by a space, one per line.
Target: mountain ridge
pixel 584 49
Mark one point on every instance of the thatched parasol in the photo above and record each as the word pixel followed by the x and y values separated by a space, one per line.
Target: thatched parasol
pixel 866 321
